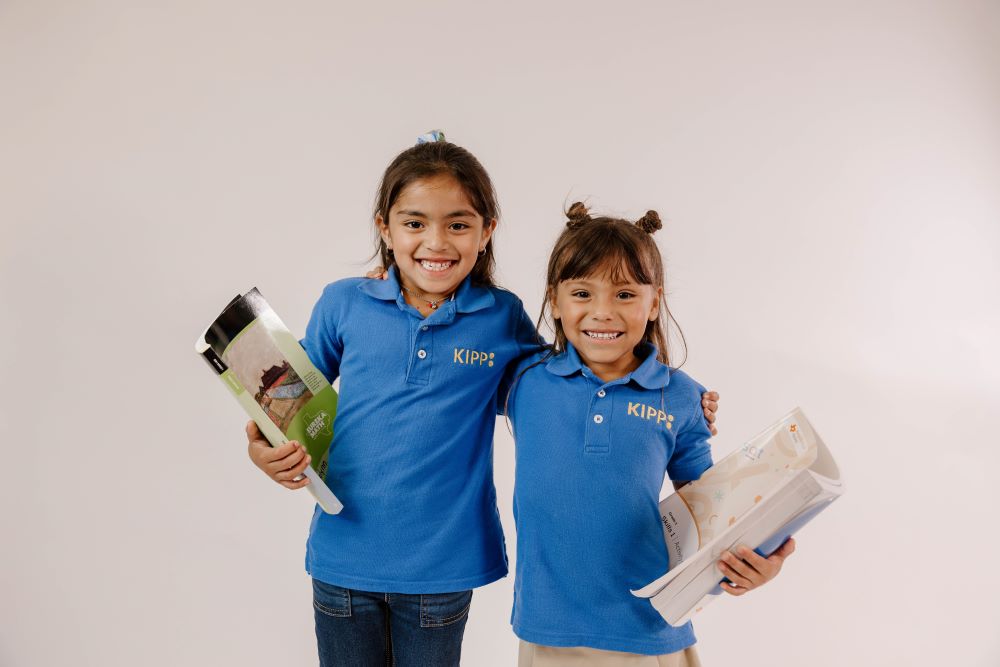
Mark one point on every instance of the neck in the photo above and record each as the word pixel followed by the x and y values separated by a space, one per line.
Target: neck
pixel 613 370
pixel 412 293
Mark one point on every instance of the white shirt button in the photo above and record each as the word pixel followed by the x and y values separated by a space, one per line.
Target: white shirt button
pixel 598 419
pixel 423 328
pixel 422 353
pixel 601 394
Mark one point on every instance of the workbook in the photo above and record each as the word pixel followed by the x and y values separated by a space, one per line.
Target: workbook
pixel 270 375
pixel 758 496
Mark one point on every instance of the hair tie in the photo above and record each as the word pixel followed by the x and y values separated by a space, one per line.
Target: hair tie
pixel 578 214
pixel 431 137
pixel 650 222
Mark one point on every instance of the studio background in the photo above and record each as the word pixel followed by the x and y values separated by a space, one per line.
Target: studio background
pixel 827 173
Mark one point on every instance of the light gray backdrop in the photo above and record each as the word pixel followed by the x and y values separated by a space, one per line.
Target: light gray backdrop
pixel 828 175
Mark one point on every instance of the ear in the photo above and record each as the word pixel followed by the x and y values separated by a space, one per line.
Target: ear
pixel 654 310
pixel 383 229
pixel 553 305
pixel 488 229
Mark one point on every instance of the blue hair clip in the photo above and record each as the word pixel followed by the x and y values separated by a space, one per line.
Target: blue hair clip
pixel 431 137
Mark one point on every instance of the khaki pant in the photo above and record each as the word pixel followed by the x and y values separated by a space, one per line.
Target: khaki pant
pixel 535 655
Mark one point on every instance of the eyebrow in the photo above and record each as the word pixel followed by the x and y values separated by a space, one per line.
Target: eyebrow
pixel 589 281
pixel 464 213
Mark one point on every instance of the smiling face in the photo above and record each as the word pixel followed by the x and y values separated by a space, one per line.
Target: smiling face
pixel 605 320
pixel 435 235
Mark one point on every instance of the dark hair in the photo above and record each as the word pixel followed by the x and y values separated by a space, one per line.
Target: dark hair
pixel 626 251
pixel 433 159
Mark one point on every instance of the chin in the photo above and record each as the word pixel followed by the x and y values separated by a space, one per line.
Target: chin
pixel 597 352
pixel 443 284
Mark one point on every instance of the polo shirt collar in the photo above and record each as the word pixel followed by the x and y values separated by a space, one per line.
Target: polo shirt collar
pixel 651 373
pixel 386 290
pixel 468 298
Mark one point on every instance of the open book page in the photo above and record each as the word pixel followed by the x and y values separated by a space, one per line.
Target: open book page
pixel 756 496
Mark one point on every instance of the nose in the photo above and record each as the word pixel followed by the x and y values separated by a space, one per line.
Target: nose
pixel 602 309
pixel 434 238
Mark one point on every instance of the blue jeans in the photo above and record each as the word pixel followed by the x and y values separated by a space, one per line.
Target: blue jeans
pixel 362 629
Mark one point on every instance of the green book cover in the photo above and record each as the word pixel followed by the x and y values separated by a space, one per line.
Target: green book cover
pixel 270 375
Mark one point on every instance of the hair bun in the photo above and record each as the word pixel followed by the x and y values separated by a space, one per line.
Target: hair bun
pixel 650 222
pixel 578 214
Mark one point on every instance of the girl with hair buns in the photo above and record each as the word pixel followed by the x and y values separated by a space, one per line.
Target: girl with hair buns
pixel 421 357
pixel 598 418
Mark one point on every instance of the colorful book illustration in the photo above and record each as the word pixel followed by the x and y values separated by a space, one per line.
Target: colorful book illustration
pixel 759 496
pixel 271 376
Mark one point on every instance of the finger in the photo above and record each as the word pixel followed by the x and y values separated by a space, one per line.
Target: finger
pixel 738 576
pixel 752 558
pixel 740 566
pixel 290 474
pixel 713 430
pixel 711 396
pixel 289 462
pixel 261 452
pixel 768 567
pixel 297 484
pixel 273 455
pixel 732 590
pixel 750 565
pixel 709 415
pixel 777 559
pixel 786 549
pixel 254 434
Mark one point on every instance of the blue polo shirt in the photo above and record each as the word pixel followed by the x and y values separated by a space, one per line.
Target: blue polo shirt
pixel 412 451
pixel 591 458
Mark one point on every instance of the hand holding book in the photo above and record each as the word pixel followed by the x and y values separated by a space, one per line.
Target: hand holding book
pixel 758 497
pixel 284 464
pixel 748 570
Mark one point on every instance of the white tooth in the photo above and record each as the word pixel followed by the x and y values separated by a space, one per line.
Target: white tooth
pixel 435 266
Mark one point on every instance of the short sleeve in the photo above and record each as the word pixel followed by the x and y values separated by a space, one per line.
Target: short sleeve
pixel 692 453
pixel 527 342
pixel 322 342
